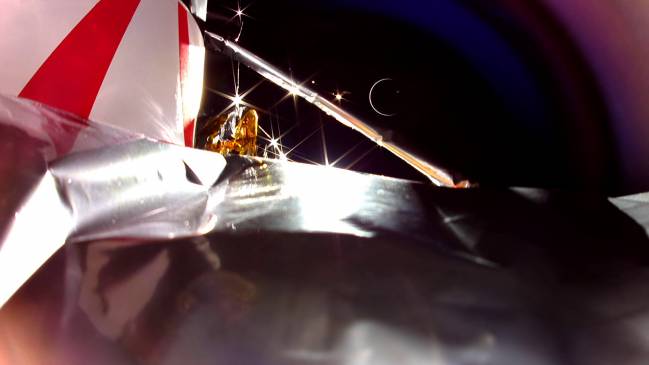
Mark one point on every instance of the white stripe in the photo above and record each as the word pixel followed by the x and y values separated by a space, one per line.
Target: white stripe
pixel 139 92
pixel 193 88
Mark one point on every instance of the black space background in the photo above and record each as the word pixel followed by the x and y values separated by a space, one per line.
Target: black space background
pixel 446 112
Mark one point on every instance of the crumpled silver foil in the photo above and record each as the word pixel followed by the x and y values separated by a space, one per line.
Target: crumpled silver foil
pixel 112 184
pixel 117 249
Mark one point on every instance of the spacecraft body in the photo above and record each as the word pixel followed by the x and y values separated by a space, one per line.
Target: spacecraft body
pixel 135 64
pixel 232 133
pixel 120 245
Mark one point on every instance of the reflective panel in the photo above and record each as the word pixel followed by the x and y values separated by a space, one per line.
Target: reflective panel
pixel 182 256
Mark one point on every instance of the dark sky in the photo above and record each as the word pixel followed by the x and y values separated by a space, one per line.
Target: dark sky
pixel 491 109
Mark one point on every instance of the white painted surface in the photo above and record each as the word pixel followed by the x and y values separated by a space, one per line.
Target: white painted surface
pixel 139 92
pixel 31 30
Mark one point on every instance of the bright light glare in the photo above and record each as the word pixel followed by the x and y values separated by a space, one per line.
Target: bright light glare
pixel 273 143
pixel 313 186
pixel 25 248
pixel 339 97
pixel 192 86
pixel 237 100
pixel 373 343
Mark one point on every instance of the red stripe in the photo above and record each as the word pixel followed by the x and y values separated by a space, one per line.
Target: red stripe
pixel 189 133
pixel 183 42
pixel 71 76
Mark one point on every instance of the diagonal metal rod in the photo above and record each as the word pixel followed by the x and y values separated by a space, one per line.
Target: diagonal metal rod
pixel 437 175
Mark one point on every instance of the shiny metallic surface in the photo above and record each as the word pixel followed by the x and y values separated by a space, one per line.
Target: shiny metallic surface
pixel 34 218
pixel 141 189
pixel 199 8
pixel 274 297
pixel 157 254
pixel 635 206
pixel 144 189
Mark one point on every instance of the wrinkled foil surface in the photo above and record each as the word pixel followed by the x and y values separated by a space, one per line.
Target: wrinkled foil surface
pixel 130 251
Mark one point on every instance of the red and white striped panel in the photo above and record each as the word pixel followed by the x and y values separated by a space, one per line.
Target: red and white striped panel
pixel 134 64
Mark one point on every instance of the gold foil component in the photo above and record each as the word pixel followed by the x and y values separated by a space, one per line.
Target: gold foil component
pixel 234 133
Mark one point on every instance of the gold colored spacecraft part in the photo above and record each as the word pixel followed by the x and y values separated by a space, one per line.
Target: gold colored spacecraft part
pixel 233 133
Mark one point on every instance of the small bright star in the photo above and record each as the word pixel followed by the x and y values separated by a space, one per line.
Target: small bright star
pixel 273 143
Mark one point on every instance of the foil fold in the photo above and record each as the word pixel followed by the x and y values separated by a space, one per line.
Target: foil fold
pixel 125 250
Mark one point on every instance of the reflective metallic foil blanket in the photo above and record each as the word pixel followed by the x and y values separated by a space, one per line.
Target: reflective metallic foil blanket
pixel 129 251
